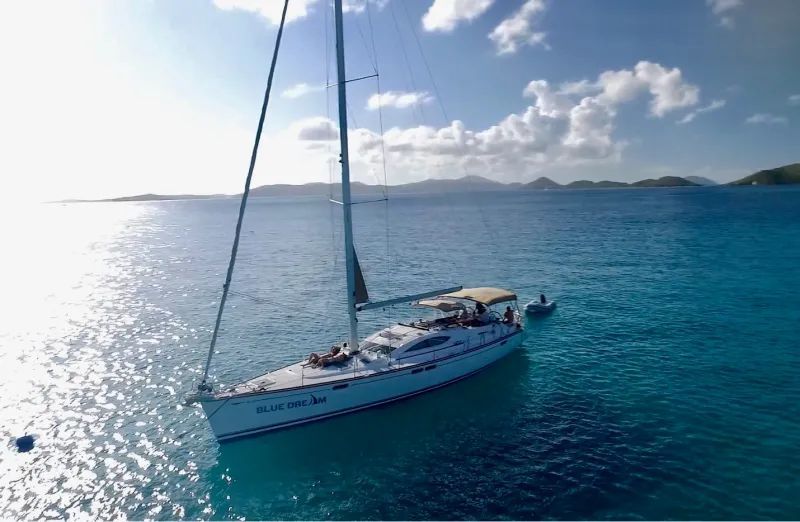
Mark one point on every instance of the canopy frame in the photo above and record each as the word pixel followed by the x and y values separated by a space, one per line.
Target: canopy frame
pixel 485 295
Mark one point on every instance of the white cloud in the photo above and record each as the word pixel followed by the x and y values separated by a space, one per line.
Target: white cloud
pixel 766 118
pixel 445 15
pixel 590 126
pixel 549 103
pixel 516 144
pixel 518 29
pixel 562 127
pixel 620 86
pixel 397 99
pixel 794 99
pixel 301 89
pixel 667 87
pixel 723 10
pixel 578 87
pixel 314 129
pixel 269 9
pixel 669 90
pixel 713 106
pixel 359 6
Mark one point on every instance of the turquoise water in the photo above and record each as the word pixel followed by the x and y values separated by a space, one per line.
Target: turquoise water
pixel 666 385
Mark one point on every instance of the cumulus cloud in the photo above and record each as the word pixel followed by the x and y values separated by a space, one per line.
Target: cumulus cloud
pixel 713 106
pixel 518 30
pixel 445 15
pixel 578 87
pixel 666 86
pixel 555 104
pixel 300 89
pixel 359 6
pixel 562 126
pixel 723 9
pixel 669 90
pixel 271 9
pixel 314 129
pixel 397 99
pixel 590 126
pixel 620 86
pixel 766 119
pixel 794 99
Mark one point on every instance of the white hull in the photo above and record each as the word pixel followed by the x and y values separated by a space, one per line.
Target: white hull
pixel 535 307
pixel 248 414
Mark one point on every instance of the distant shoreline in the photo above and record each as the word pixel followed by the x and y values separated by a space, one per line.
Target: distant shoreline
pixel 788 174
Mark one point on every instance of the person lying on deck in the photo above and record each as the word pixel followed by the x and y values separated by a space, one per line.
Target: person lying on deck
pixel 315 359
pixel 335 355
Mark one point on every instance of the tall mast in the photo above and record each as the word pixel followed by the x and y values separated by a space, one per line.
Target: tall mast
pixel 349 252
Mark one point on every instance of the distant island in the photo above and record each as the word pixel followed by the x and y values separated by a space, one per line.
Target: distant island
pixel 700 180
pixel 788 174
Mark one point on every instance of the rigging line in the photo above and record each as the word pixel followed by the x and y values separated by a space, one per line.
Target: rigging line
pixel 328 103
pixel 405 56
pixel 380 105
pixel 235 247
pixel 332 260
pixel 328 85
pixel 427 66
pixel 447 121
pixel 254 298
pixel 372 59
pixel 389 263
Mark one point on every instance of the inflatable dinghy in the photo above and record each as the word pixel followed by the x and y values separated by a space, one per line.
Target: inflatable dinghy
pixel 535 307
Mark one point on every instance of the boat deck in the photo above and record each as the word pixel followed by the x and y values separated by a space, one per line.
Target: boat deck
pixel 301 374
pixel 369 362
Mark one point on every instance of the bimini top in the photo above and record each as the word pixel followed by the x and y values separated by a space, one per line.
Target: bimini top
pixel 484 294
pixel 444 305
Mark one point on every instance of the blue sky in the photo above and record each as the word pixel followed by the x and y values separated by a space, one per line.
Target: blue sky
pixel 106 99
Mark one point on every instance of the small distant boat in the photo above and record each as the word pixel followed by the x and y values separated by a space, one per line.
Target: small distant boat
pixel 538 308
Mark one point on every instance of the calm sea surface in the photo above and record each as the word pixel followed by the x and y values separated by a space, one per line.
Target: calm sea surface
pixel 666 385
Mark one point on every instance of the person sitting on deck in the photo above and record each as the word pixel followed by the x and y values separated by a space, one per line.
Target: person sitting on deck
pixel 508 317
pixel 334 355
pixel 481 314
pixel 542 299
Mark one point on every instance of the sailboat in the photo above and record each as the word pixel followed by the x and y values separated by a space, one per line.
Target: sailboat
pixel 395 363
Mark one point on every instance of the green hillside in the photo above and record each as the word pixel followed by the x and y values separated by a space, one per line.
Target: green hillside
pixel 665 181
pixel 786 175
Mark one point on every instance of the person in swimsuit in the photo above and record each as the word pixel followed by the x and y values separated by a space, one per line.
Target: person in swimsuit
pixel 314 359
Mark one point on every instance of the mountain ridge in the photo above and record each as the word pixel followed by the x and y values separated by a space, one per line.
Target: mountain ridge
pixel 787 174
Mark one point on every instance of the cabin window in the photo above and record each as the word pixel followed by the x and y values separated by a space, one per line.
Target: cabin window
pixel 428 343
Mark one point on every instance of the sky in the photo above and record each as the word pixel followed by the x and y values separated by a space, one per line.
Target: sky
pixel 103 99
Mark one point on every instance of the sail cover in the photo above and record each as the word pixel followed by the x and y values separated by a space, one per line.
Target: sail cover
pixel 362 296
pixel 485 295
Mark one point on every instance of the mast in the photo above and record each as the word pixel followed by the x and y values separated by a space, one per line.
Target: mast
pixel 349 251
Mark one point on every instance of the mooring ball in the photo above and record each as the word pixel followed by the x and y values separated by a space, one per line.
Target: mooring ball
pixel 25 443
